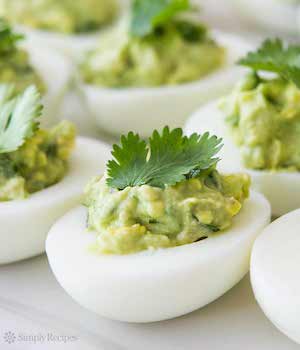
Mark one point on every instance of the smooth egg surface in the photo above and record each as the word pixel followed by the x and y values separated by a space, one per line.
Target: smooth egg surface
pixel 56 71
pixel 63 99
pixel 281 188
pixel 158 284
pixel 118 111
pixel 25 223
pixel 275 273
pixel 71 45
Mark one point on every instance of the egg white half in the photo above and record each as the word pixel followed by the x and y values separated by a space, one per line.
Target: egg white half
pixel 275 15
pixel 158 284
pixel 275 275
pixel 118 111
pixel 25 223
pixel 281 188
pixel 56 71
pixel 73 108
pixel 68 44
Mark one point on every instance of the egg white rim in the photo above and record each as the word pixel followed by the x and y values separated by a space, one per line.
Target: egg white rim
pixel 57 191
pixel 229 237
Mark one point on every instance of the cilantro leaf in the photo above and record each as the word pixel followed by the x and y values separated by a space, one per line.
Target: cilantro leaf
pixel 168 159
pixel 274 56
pixel 149 14
pixel 18 115
pixel 8 38
pixel 130 157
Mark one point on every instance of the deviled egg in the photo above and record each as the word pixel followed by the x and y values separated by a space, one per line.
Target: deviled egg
pixel 154 70
pixel 260 124
pixel 281 16
pixel 163 233
pixel 25 64
pixel 275 273
pixel 65 24
pixel 41 172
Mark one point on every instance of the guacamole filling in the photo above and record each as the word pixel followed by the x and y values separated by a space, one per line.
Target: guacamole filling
pixel 15 68
pixel 146 217
pixel 15 65
pixel 162 193
pixel 65 16
pixel 31 158
pixel 263 117
pixel 176 52
pixel 39 163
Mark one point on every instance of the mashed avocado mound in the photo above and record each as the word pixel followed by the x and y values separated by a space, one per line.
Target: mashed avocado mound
pixel 161 195
pixel 41 162
pixel 264 119
pixel 175 53
pixel 145 217
pixel 65 16
pixel 263 111
pixel 15 66
pixel 31 158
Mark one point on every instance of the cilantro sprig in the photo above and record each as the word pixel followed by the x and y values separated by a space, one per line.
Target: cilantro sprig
pixel 273 56
pixel 168 158
pixel 149 14
pixel 18 116
pixel 8 38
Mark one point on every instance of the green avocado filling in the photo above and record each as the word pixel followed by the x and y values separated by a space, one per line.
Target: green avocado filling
pixel 15 65
pixel 31 159
pixel 263 116
pixel 15 68
pixel 42 161
pixel 65 16
pixel 146 217
pixel 177 52
pixel 163 194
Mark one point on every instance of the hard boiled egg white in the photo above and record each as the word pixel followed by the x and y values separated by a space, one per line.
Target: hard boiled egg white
pixel 68 44
pixel 275 15
pixel 25 223
pixel 73 108
pixel 153 285
pixel 275 273
pixel 282 189
pixel 118 111
pixel 56 72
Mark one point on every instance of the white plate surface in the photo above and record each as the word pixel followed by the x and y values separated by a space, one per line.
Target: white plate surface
pixel 32 301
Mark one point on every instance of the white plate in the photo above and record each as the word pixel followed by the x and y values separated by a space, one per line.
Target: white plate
pixel 30 293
